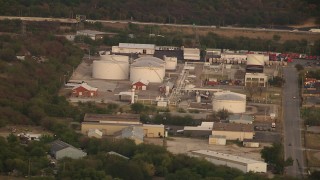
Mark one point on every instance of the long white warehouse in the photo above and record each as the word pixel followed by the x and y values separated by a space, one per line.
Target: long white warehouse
pixel 241 163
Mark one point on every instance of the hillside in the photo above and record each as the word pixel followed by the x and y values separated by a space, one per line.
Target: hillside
pixel 206 12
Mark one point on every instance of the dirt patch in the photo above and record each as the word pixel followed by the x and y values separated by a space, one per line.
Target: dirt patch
pixel 313 158
pixel 5 131
pixel 312 141
pixel 311 22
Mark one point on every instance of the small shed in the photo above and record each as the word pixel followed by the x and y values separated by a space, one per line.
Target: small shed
pixel 251 143
pixel 60 149
pixel 140 85
pixel 95 133
pixel 84 90
pixel 217 140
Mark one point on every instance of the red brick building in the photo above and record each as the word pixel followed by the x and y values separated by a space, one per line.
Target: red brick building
pixel 84 90
pixel 140 85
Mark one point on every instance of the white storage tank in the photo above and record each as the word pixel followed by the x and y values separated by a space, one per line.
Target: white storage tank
pixel 151 69
pixel 171 62
pixel 112 67
pixel 255 59
pixel 233 102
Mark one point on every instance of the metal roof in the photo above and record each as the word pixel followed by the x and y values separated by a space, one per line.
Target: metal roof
pixel 147 63
pixel 137 46
pixel 91 32
pixel 112 117
pixel 58 145
pixel 227 95
pixel 222 156
pixel 232 127
pixel 86 86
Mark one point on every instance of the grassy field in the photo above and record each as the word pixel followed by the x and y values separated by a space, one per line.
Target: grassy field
pixel 263 34
pixel 313 158
pixel 312 141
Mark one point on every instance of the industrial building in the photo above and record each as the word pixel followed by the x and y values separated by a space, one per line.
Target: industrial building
pixel 128 48
pixel 191 54
pixel 233 131
pixel 204 130
pixel 241 163
pixel 240 118
pixel 113 67
pixel 233 57
pixel 255 63
pixel 151 69
pixel 233 102
pixel 60 149
pixel 111 125
pixel 256 79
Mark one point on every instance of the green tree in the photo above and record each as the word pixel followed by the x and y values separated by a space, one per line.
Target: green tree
pixel 137 107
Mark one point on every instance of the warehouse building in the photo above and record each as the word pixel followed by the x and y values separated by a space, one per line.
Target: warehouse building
pixel 191 54
pixel 243 164
pixel 60 149
pixel 111 125
pixel 233 131
pixel 256 79
pixel 204 130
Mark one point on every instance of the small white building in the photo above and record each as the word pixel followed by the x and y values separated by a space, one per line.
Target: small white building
pixel 128 48
pixel 191 54
pixel 94 35
pixel 251 143
pixel 256 79
pixel 243 164
pixel 95 133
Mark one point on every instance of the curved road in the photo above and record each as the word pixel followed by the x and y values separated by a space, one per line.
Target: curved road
pixel 292 123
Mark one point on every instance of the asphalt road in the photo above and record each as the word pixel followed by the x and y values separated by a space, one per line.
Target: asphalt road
pixel 292 123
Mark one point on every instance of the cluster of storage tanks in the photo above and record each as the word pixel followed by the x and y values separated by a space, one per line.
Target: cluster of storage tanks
pixel 118 67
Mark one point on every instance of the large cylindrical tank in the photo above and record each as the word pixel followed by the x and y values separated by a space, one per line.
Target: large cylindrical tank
pixel 117 70
pixel 230 101
pixel 171 62
pixel 255 59
pixel 147 68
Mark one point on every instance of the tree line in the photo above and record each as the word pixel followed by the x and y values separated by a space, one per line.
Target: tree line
pixel 203 12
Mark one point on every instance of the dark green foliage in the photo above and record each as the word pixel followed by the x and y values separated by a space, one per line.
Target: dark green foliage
pixel 219 13
pixel 311 116
pixel 274 157
pixel 276 81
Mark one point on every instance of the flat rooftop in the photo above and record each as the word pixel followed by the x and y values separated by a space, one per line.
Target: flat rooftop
pixel 111 117
pixel 228 157
pixel 232 127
